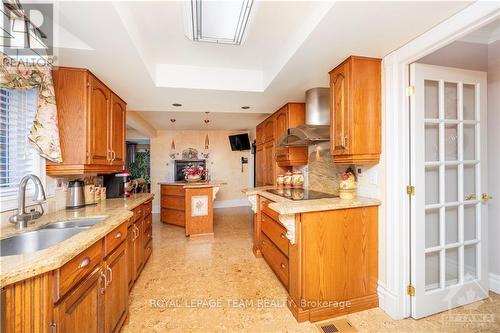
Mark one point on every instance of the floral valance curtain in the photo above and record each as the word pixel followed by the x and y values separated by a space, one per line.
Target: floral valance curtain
pixel 44 133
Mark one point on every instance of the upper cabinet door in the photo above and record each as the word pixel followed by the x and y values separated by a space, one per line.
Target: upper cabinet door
pixel 98 122
pixel 339 110
pixel 281 122
pixel 355 111
pixel 117 130
pixel 269 129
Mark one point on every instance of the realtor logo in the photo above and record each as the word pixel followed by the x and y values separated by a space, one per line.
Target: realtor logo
pixel 27 28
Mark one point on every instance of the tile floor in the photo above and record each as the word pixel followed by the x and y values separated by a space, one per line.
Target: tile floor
pixel 220 286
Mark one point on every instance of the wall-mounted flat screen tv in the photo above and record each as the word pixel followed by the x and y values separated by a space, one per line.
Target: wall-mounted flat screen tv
pixel 239 142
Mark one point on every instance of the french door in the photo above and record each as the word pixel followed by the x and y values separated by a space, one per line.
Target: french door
pixel 449 253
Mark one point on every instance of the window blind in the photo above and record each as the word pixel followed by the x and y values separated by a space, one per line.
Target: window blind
pixel 17 157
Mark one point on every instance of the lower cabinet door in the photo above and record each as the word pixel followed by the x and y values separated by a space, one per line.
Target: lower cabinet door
pixel 130 257
pixel 82 309
pixel 139 248
pixel 116 295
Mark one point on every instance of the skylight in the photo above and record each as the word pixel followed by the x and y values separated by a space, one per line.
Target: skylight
pixel 217 21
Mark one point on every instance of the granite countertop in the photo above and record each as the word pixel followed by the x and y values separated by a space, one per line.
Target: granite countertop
pixel 212 183
pixel 285 206
pixel 22 266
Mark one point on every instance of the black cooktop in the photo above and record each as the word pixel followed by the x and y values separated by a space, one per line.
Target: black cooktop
pixel 301 194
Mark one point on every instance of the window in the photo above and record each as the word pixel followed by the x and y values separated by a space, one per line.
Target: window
pixel 17 157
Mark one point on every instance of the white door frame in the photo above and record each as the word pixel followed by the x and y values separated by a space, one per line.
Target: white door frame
pixel 394 251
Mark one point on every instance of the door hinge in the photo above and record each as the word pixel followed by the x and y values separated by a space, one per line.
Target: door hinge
pixel 410 190
pixel 410 290
pixel 410 90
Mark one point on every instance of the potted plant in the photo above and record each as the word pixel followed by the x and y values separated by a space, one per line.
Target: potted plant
pixel 194 173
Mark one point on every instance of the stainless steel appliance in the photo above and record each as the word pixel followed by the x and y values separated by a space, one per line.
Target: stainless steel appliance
pixel 317 126
pixel 301 193
pixel 117 185
pixel 75 198
pixel 179 166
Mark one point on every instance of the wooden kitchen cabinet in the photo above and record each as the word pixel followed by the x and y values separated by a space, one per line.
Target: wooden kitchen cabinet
pixel 89 293
pixel 289 116
pixel 269 172
pixel 355 111
pixel 334 258
pixel 135 246
pixel 271 159
pixel 117 132
pixel 116 293
pixel 82 309
pixel 91 122
pixel 259 165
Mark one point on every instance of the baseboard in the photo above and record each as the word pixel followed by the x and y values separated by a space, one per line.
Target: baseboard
pixel 388 302
pixel 495 283
pixel 231 203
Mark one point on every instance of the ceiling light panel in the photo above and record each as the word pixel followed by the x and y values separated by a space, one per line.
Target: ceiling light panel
pixel 217 21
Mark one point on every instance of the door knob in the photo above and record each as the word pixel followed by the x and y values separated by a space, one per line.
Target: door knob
pixel 486 197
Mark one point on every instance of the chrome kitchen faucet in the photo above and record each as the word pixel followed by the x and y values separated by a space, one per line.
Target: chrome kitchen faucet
pixel 22 217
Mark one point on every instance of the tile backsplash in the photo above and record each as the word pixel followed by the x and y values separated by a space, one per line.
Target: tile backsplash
pixel 55 190
pixel 321 173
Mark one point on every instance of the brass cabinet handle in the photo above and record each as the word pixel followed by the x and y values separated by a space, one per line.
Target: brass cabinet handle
pixel 103 278
pixel 118 234
pixel 282 266
pixel 114 155
pixel 282 236
pixel 84 263
pixel 345 141
pixel 110 275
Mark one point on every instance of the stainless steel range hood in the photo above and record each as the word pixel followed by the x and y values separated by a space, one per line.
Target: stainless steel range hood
pixel 317 126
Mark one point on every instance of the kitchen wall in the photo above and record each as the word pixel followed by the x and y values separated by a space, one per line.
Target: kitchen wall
pixel 223 164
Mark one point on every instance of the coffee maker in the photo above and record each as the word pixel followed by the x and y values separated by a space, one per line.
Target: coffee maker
pixel 117 185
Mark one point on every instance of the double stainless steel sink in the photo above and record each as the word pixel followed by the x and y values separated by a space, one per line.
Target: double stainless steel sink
pixel 45 237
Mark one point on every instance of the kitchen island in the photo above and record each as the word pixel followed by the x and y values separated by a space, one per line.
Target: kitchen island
pixel 324 251
pixel 190 205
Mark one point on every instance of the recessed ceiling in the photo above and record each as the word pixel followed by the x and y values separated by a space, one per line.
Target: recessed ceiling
pixel 139 49
pixel 195 120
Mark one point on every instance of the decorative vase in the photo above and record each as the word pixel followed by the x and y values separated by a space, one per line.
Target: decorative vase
pixel 297 179
pixel 347 194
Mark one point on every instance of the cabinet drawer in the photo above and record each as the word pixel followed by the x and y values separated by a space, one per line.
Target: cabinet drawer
pixel 148 208
pixel 148 249
pixel 276 260
pixel 264 207
pixel 148 221
pixel 148 235
pixel 172 202
pixel 114 238
pixel 138 213
pixel 77 268
pixel 172 190
pixel 171 216
pixel 276 233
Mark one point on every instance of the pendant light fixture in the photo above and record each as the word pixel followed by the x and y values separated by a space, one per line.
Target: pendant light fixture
pixel 206 152
pixel 207 139
pixel 172 144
